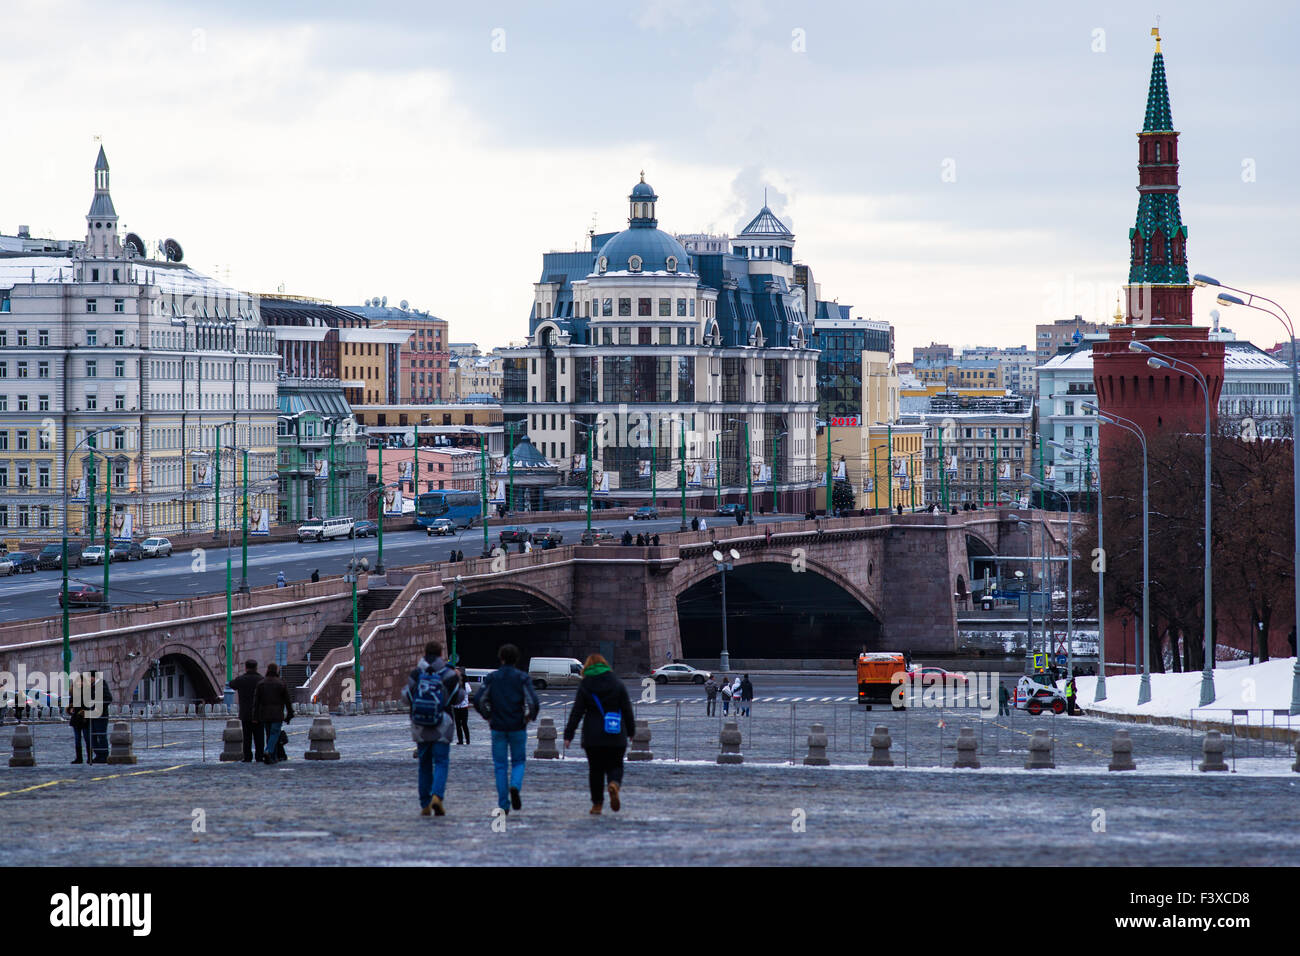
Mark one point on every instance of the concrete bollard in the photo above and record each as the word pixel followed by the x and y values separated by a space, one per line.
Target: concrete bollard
pixel 1040 752
pixel 120 745
pixel 880 744
pixel 817 747
pixel 640 748
pixel 1121 752
pixel 321 735
pixel 546 735
pixel 967 749
pixel 24 748
pixel 232 739
pixel 1213 748
pixel 730 741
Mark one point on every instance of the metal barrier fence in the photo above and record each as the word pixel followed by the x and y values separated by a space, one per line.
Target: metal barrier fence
pixel 1271 737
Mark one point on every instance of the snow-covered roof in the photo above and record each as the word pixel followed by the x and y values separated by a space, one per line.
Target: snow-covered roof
pixel 1238 356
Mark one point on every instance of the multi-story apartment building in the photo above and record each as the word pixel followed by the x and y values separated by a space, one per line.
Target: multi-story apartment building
pixel 976 449
pixel 422 358
pixel 475 378
pixel 1050 336
pixel 96 335
pixel 665 351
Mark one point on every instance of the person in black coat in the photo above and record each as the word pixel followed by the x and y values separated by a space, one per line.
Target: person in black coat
pixel 244 685
pixel 100 698
pixel 599 697
pixel 272 707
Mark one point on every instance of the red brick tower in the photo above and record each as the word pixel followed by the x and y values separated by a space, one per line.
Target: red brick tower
pixel 1159 296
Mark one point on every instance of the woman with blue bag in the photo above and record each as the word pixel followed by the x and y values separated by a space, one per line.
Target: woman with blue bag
pixel 605 710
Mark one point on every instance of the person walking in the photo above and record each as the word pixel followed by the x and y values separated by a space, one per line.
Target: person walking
pixel 315 576
pixel 460 710
pixel 746 696
pixel 627 539
pixel 1004 700
pixel 508 702
pixel 726 696
pixel 605 711
pixel 245 685
pixel 735 694
pixel 78 719
pixel 430 691
pixel 1071 698
pixel 279 580
pixel 695 524
pixel 711 696
pixel 655 540
pixel 704 524
pixel 740 517
pixel 272 708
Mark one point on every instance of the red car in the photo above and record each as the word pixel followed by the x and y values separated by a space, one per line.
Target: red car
pixel 936 677
pixel 82 595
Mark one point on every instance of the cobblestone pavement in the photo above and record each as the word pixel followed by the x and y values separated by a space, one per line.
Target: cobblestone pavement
pixel 362 809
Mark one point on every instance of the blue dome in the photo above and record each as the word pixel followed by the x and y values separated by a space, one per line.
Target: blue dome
pixel 653 246
pixel 643 190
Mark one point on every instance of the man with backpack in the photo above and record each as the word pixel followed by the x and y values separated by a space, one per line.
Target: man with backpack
pixel 508 702
pixel 430 691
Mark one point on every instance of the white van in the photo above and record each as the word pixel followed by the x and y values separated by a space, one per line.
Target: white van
pixel 321 529
pixel 555 672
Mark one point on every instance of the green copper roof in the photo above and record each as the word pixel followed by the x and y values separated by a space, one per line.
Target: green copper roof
pixel 1158 211
pixel 1158 118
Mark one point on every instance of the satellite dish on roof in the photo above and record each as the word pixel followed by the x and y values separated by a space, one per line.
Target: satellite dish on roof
pixel 173 251
pixel 405 305
pixel 134 246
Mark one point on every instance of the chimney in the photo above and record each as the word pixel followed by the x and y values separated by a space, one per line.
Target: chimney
pixel 24 232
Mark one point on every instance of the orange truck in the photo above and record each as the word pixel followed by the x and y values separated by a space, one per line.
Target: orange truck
pixel 877 678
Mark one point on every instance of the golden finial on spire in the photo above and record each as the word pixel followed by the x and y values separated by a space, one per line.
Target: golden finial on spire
pixel 1155 32
pixel 1119 315
pixel 643 175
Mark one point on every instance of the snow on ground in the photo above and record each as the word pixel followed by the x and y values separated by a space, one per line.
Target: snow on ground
pixel 1258 688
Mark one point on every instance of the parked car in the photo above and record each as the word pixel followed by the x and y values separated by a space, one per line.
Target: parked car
pixel 21 562
pixel 927 676
pixel 156 548
pixel 1037 693
pixel 6 566
pixel 730 510
pixel 679 673
pixel 598 535
pixel 92 554
pixel 51 556
pixel 365 529
pixel 645 513
pixel 515 535
pixel 440 527
pixel 82 595
pixel 126 551
pixel 547 537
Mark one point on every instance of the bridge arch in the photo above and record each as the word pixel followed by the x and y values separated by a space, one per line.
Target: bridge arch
pixel 204 681
pixel 489 615
pixel 775 612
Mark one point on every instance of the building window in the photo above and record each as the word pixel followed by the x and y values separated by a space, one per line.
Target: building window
pixel 42 369
pixel 119 369
pixel 92 402
pixel 624 306
pixel 119 337
pixel 92 305
pixel 43 403
pixel 643 306
pixel 119 305
pixel 119 402
pixel 43 338
pixel 665 307
pixel 624 335
pixel 92 336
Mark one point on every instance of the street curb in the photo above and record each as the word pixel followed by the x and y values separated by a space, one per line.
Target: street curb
pixel 1253 731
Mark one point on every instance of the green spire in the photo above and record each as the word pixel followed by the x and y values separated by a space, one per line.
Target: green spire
pixel 1158 118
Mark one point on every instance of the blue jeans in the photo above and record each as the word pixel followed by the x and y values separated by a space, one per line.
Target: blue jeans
pixel 272 735
pixel 434 762
pixel 517 741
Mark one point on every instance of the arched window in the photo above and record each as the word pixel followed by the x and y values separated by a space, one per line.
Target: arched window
pixel 672 263
pixel 634 264
pixel 1157 152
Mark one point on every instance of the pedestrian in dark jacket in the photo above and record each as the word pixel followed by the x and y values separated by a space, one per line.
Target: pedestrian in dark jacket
pixel 272 707
pixel 315 576
pixel 655 541
pixel 600 696
pixel 78 718
pixel 711 696
pixel 627 539
pixel 507 701
pixel 695 523
pixel 244 685
pixel 433 741
pixel 746 696
pixel 99 699
pixel 740 517
pixel 1004 701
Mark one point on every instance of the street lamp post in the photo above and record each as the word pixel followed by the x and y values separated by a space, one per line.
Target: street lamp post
pixel 1069 578
pixel 1161 360
pixel 482 459
pixel 1100 692
pixel 889 463
pixel 1249 302
pixel 63 561
pixel 1110 418
pixel 725 563
pixel 587 539
pixel 243 575
pixel 775 439
pixel 829 442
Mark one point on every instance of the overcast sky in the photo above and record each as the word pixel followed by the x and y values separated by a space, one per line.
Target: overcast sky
pixel 960 172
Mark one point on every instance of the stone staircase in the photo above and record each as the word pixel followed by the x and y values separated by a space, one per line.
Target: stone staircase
pixel 375 599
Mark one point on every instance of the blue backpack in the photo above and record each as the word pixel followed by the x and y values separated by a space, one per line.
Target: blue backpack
pixel 613 719
pixel 429 700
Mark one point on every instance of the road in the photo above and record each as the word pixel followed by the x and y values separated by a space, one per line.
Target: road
pixel 185 574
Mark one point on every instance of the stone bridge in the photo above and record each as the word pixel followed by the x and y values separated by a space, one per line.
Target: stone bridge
pixel 886 581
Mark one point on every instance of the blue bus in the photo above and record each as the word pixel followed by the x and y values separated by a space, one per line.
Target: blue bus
pixel 460 506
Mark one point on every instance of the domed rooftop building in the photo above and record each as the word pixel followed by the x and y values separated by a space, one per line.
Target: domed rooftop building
pixel 642 248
